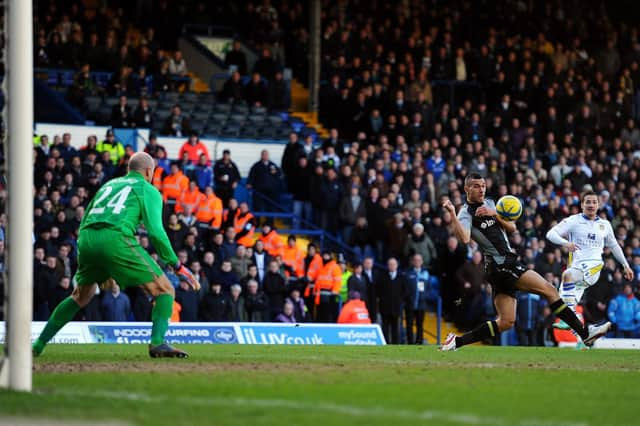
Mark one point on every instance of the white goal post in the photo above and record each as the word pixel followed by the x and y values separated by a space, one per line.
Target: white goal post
pixel 15 367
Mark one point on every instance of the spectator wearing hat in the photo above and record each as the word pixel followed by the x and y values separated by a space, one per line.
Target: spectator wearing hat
pixel 354 311
pixel 420 243
pixel 111 146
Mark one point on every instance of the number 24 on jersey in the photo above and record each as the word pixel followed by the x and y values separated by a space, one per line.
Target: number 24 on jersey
pixel 116 202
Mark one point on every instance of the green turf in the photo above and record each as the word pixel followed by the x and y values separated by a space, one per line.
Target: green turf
pixel 304 385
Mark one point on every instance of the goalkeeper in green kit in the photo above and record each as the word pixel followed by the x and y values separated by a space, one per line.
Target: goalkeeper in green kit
pixel 108 249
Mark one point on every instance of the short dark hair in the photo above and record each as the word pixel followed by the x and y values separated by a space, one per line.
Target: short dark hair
pixel 587 193
pixel 470 177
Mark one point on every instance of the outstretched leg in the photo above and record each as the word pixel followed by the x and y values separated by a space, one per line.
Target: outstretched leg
pixel 64 312
pixel 532 282
pixel 506 309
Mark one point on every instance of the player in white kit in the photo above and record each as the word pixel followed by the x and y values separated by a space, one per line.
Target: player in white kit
pixel 585 235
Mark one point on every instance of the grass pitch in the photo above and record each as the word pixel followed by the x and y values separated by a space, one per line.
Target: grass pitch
pixel 324 385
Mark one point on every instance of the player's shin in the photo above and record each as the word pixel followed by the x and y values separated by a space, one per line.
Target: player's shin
pixel 562 311
pixel 160 316
pixel 478 334
pixel 63 313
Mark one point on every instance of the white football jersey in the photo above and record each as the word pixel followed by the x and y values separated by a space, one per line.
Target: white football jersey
pixel 590 236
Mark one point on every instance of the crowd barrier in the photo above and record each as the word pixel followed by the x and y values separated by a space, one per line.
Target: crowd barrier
pixel 215 333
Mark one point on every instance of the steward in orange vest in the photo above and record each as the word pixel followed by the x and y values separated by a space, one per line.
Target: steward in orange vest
pixel 210 209
pixel 189 200
pixel 272 241
pixel 158 176
pixel 312 262
pixel 327 288
pixel 175 184
pixel 244 223
pixel 293 257
pixel 354 311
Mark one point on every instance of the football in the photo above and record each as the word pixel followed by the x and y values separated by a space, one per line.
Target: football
pixel 509 207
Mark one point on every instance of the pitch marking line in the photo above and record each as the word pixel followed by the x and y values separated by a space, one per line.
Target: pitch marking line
pixel 350 410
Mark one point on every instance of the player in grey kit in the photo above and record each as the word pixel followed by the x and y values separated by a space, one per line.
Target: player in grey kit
pixel 478 219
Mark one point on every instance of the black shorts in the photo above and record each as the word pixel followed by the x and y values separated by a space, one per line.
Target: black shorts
pixel 503 278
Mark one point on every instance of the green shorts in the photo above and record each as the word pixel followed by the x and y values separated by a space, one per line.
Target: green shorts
pixel 107 253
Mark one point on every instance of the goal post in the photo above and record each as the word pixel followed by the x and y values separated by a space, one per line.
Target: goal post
pixel 15 370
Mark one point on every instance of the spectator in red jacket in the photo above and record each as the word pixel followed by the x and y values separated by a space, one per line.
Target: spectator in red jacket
pixel 194 148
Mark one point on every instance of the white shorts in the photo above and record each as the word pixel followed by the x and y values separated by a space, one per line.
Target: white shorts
pixel 590 270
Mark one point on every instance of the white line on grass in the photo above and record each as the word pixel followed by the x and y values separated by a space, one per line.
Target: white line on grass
pixel 344 409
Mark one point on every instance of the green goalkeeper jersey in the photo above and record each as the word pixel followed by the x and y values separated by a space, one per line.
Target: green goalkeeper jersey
pixel 123 203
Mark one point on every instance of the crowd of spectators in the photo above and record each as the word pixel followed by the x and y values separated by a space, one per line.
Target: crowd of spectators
pixel 545 112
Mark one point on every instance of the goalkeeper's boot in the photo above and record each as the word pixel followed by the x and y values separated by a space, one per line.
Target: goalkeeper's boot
pixel 596 332
pixel 449 343
pixel 166 351
pixel 561 325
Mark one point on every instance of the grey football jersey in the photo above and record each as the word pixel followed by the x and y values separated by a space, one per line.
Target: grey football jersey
pixel 486 231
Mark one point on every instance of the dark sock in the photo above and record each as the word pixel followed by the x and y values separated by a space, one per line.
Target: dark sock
pixel 562 311
pixel 478 334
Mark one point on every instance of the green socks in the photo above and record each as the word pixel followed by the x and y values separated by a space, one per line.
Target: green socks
pixel 160 316
pixel 68 308
pixel 64 312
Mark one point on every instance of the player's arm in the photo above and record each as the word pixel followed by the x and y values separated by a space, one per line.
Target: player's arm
pixel 509 226
pixel 461 222
pixel 611 242
pixel 152 220
pixel 489 210
pixel 557 235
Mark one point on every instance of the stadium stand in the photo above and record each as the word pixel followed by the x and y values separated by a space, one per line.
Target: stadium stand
pixel 417 96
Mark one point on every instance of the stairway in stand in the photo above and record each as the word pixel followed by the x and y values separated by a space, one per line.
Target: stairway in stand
pixel 300 107
pixel 431 328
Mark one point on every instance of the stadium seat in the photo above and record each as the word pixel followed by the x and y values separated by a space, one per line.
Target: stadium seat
pixel 111 101
pixel 258 110
pixel 94 102
pixel 221 107
pixel 275 120
pixel 238 118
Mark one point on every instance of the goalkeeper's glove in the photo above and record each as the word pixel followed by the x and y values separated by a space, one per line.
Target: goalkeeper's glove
pixel 184 273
